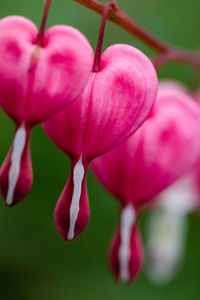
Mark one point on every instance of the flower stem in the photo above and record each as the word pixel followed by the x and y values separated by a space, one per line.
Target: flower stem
pixel 40 38
pixel 176 55
pixel 96 66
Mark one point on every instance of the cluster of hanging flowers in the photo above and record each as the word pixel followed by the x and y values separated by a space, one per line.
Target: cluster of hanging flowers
pixel 108 111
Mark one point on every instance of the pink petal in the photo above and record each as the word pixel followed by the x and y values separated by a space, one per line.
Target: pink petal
pixel 113 105
pixel 58 76
pixel 17 36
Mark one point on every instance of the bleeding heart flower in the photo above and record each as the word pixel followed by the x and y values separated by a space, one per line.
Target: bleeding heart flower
pixel 163 149
pixel 116 100
pixel 167 228
pixel 40 73
pixel 113 105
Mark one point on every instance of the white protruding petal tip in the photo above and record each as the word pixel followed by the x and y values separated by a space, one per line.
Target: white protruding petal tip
pixel 127 221
pixel 78 176
pixel 17 151
pixel 70 236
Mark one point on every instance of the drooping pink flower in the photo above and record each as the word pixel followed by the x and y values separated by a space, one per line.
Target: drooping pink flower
pixel 40 73
pixel 163 149
pixel 113 105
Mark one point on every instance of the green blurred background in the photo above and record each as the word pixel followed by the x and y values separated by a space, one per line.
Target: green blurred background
pixel 35 263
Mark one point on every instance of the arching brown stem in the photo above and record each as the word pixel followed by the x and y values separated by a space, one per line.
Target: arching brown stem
pixel 167 52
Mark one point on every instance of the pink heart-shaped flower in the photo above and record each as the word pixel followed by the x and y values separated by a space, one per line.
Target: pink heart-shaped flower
pixel 115 102
pixel 165 147
pixel 35 83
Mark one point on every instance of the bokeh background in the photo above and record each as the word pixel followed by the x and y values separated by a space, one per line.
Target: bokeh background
pixel 35 263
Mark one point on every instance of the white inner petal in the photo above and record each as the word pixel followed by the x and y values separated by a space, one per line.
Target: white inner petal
pixel 168 228
pixel 128 217
pixel 167 234
pixel 78 176
pixel 17 151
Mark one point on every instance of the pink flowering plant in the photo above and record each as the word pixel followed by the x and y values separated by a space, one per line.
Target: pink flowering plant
pixel 104 109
